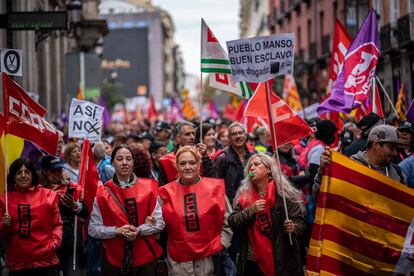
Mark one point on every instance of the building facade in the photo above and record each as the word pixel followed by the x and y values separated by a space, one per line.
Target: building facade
pixel 312 21
pixel 163 62
pixel 44 52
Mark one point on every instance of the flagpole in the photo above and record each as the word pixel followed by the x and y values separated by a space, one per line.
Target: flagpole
pixel 374 97
pixel 201 84
pixel 272 121
pixel 6 197
pixel 386 95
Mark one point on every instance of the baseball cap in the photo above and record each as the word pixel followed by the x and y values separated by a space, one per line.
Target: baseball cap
pixel 50 162
pixel 385 133
pixel 406 125
pixel 145 135
pixel 162 125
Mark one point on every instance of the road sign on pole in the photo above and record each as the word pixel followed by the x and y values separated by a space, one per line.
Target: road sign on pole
pixel 11 61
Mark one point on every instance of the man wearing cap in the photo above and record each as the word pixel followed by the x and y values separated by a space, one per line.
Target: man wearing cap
pixel 157 149
pixel 367 123
pixel 162 133
pixel 382 148
pixel 406 132
pixel 346 138
pixel 145 139
pixel 52 172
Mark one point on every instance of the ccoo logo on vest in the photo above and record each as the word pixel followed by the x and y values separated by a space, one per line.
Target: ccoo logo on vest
pixel 11 61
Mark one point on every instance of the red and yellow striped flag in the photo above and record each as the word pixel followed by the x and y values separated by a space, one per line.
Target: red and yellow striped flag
pixel 400 104
pixel 364 223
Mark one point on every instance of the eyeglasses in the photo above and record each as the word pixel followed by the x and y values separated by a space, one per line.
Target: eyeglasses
pixel 239 133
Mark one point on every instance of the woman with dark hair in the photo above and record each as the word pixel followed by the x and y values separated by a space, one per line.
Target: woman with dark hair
pixel 260 216
pixel 31 222
pixel 209 139
pixel 126 215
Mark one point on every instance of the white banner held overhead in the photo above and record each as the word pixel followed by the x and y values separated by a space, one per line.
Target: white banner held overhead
pixel 259 59
pixel 85 120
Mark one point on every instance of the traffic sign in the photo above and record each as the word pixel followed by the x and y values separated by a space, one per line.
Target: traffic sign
pixel 53 20
pixel 11 61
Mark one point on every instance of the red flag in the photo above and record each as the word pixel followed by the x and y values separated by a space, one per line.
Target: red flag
pixel 88 176
pixel 288 125
pixel 376 105
pixel 152 113
pixel 340 44
pixel 229 112
pixel 25 118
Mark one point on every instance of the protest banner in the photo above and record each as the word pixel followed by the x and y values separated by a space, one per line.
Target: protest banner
pixel 259 59
pixel 85 120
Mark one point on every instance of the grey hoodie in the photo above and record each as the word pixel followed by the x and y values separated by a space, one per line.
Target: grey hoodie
pixel 394 172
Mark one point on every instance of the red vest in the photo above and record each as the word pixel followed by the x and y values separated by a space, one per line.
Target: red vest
pixel 303 158
pixel 194 217
pixel 139 201
pixel 168 165
pixel 260 232
pixel 35 231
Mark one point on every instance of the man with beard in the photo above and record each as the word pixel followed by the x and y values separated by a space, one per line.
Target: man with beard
pixel 184 135
pixel 382 148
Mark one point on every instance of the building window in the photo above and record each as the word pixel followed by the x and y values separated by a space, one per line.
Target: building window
pixel 356 11
pixel 335 9
pixel 299 38
pixel 394 10
pixel 309 31
pixel 378 6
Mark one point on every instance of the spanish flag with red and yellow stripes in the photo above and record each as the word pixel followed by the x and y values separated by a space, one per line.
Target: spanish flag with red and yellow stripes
pixel 364 223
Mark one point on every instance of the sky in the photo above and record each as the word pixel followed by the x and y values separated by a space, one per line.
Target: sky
pixel 222 16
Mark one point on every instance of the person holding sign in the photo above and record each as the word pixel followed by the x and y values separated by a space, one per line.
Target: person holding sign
pixel 126 215
pixel 259 215
pixel 195 210
pixel 32 224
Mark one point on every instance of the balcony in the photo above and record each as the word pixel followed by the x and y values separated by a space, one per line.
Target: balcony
pixel 326 49
pixel 394 35
pixel 405 27
pixel 313 52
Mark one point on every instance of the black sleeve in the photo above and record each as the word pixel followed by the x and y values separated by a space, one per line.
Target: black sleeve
pixel 162 177
pixel 209 169
pixel 220 166
pixel 84 212
pixel 313 170
pixel 300 180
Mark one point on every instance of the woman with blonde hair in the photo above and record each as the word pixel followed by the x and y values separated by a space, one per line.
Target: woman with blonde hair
pixel 260 216
pixel 195 212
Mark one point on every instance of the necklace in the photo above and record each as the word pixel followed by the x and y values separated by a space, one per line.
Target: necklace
pixel 262 194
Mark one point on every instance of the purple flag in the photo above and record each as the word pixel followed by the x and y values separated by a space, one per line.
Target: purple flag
pixel 352 86
pixel 410 112
pixel 106 116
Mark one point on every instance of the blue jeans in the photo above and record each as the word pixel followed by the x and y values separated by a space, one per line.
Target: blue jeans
pixel 94 261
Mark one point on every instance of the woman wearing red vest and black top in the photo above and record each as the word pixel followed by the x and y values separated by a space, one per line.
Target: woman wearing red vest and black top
pixel 260 215
pixel 126 215
pixel 32 226
pixel 195 211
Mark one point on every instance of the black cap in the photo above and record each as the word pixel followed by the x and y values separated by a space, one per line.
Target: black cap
pixel 155 146
pixel 145 135
pixel 50 162
pixel 368 122
pixel 162 125
pixel 406 125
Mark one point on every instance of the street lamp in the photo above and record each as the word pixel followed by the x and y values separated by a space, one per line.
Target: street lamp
pixel 74 8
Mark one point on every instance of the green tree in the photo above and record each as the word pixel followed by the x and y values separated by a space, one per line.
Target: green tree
pixel 110 92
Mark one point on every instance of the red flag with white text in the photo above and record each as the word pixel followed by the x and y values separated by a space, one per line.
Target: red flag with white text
pixel 288 125
pixel 24 117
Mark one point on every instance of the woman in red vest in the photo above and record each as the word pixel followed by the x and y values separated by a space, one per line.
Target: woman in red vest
pixel 195 211
pixel 126 215
pixel 32 225
pixel 260 216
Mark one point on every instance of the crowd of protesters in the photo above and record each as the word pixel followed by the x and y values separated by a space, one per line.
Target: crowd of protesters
pixel 178 199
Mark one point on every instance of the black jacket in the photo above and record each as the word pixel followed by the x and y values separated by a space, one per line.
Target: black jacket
pixel 230 168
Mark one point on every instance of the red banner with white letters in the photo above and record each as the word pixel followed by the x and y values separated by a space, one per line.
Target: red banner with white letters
pixel 24 117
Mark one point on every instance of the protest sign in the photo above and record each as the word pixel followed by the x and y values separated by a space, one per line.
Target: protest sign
pixel 85 120
pixel 259 59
